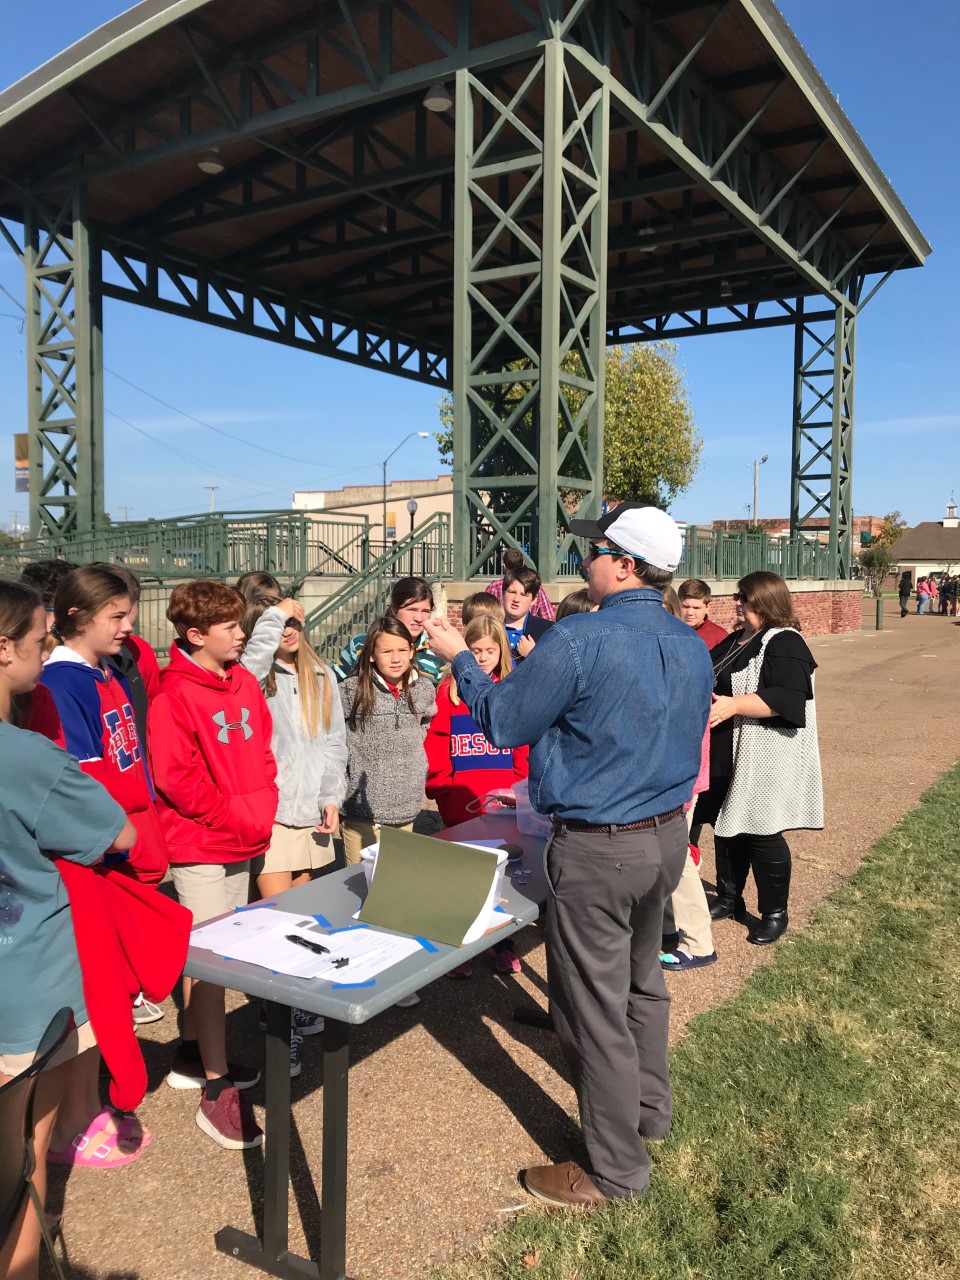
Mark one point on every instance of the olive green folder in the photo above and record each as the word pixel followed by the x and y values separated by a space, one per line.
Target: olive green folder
pixel 428 888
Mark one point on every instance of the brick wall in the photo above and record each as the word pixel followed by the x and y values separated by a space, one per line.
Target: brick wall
pixel 819 613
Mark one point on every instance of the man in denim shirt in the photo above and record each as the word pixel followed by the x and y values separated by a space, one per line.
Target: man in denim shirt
pixel 614 704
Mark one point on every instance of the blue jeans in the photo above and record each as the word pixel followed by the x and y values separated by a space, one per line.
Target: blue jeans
pixel 921 603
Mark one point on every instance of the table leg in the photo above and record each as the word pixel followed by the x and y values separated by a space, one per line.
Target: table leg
pixel 270 1254
pixel 333 1201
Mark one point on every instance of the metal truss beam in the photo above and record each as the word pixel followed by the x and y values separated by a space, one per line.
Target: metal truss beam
pixel 668 325
pixel 239 93
pixel 64 333
pixel 181 286
pixel 824 365
pixel 658 87
pixel 528 422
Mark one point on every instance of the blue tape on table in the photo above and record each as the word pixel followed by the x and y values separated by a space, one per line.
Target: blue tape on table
pixel 255 906
pixel 343 928
pixel 425 943
pixel 344 986
pixel 322 920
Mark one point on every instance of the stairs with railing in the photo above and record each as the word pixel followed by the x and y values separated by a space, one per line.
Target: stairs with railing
pixel 426 553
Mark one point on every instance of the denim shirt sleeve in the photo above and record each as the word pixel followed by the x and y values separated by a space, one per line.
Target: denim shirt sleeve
pixel 521 708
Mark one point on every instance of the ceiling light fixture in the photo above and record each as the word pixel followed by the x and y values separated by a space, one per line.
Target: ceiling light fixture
pixel 437 98
pixel 210 162
pixel 725 290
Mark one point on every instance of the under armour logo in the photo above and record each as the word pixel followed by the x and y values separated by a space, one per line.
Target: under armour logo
pixel 227 725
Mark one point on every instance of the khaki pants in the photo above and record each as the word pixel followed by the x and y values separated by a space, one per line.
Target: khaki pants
pixel 687 909
pixel 357 834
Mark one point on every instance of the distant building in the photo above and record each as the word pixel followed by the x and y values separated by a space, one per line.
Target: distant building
pixel 779 526
pixel 933 546
pixel 430 496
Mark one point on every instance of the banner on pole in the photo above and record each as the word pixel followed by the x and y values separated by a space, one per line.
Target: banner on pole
pixel 21 463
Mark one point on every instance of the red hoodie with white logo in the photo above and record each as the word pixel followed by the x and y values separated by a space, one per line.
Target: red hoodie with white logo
pixel 211 762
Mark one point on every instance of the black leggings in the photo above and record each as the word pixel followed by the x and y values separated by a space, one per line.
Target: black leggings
pixel 768 857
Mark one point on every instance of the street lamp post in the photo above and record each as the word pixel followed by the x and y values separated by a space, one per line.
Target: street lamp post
pixel 423 436
pixel 757 464
pixel 412 508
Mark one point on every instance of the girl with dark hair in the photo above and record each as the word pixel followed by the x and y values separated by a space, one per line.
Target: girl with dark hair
pixel 905 591
pixel 411 602
pixel 387 705
pixel 92 619
pixel 764 759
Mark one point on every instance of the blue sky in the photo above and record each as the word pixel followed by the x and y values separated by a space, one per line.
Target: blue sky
pixel 893 67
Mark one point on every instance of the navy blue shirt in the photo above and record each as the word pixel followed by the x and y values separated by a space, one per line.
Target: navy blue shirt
pixel 614 705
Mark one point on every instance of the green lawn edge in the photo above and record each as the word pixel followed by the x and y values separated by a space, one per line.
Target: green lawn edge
pixel 816 1115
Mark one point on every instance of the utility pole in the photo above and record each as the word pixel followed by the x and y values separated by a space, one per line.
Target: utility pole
pixel 757 464
pixel 126 513
pixel 213 489
pixel 15 528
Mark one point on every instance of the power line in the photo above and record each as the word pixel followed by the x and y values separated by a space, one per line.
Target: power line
pixel 273 453
pixel 196 462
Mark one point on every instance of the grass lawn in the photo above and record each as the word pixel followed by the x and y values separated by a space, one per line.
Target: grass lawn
pixel 817 1116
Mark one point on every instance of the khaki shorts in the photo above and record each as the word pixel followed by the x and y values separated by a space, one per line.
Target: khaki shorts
pixel 357 834
pixel 294 849
pixel 209 889
pixel 78 1041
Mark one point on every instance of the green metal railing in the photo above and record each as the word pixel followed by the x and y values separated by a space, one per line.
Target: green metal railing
pixel 428 551
pixel 290 544
pixel 711 553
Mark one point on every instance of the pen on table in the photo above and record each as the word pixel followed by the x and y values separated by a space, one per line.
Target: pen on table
pixel 315 947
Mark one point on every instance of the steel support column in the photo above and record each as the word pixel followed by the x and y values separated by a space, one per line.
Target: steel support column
pixel 64 371
pixel 823 430
pixel 529 310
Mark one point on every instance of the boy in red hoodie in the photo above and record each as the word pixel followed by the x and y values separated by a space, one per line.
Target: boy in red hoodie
pixel 215 775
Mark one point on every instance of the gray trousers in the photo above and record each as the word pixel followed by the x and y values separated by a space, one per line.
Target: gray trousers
pixel 608 997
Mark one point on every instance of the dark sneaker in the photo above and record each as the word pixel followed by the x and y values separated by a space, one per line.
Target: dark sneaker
pixel 229 1120
pixel 307 1024
pixel 673 961
pixel 189 1075
pixel 145 1011
pixel 295 1043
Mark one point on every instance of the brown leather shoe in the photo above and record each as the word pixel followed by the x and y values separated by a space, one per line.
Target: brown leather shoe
pixel 563 1185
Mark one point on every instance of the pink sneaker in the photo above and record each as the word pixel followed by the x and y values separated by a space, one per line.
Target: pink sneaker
pixel 229 1120
pixel 464 970
pixel 506 960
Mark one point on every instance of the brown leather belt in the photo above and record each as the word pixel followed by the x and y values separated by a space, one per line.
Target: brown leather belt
pixel 574 824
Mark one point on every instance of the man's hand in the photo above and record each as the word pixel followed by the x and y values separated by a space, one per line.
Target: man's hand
pixel 331 816
pixel 445 640
pixel 292 608
pixel 526 646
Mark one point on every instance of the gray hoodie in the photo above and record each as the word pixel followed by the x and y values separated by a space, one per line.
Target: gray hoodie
pixel 311 772
pixel 387 771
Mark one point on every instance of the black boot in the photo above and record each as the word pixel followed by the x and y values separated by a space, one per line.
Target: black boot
pixel 732 869
pixel 770 928
pixel 771 871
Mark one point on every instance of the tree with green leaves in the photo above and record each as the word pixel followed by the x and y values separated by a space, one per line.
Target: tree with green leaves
pixel 651 445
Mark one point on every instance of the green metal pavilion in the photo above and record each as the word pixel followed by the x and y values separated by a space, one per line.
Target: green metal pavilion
pixel 586 172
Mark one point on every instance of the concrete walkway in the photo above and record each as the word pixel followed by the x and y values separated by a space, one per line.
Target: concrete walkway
pixel 451 1098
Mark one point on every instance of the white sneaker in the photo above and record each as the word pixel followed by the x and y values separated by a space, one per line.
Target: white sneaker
pixel 407 1002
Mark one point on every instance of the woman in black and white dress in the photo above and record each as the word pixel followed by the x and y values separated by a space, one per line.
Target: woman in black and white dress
pixel 764 759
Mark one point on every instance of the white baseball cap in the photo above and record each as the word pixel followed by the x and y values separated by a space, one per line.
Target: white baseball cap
pixel 642 531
